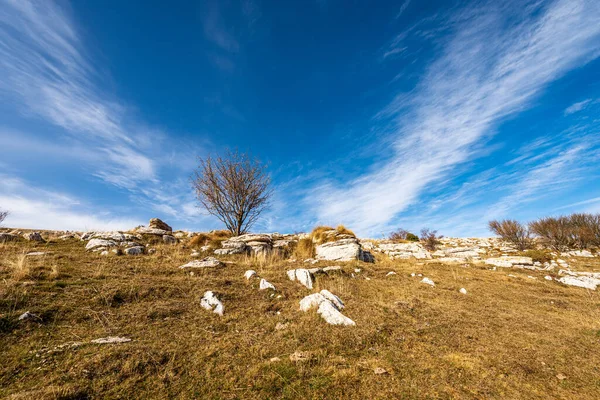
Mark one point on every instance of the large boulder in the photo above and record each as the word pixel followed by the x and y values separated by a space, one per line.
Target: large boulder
pixel 156 223
pixel 115 236
pixel 208 262
pixel 342 250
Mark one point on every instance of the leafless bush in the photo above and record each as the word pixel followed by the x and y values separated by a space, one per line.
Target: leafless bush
pixel 430 239
pixel 512 231
pixel 3 215
pixel 233 188
pixel 403 235
pixel 575 231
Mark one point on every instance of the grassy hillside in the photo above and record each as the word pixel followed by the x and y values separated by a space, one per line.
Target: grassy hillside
pixel 509 337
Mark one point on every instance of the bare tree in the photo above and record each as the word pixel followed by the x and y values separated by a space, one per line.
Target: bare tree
pixel 3 215
pixel 430 239
pixel 234 188
pixel 512 231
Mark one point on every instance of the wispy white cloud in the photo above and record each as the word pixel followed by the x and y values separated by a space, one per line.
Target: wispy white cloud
pixel 38 208
pixel 47 72
pixel 491 68
pixel 215 31
pixel 577 106
pixel 403 8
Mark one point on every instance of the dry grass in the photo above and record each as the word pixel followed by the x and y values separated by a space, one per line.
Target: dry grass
pixel 212 239
pixel 324 234
pixel 508 338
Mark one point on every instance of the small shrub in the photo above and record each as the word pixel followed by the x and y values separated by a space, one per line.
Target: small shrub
pixel 411 237
pixel 212 239
pixel 3 215
pixel 512 231
pixel 402 235
pixel 430 239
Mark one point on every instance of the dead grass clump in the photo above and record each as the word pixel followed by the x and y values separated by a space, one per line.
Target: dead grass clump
pixel 512 231
pixel 21 269
pixel 304 249
pixel 538 255
pixel 212 239
pixel 324 234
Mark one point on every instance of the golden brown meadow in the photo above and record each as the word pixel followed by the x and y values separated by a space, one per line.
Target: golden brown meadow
pixel 508 338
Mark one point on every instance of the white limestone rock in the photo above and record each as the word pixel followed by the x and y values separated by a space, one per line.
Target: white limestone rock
pixel 509 261
pixel 168 239
pixel 210 302
pixel 33 237
pixel 463 291
pixel 428 281
pixel 404 251
pixel 207 262
pixel 111 340
pixel 342 250
pixel 264 284
pixel 96 243
pixel 332 315
pixel 249 274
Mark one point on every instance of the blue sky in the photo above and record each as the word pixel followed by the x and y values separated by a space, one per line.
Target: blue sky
pixel 408 114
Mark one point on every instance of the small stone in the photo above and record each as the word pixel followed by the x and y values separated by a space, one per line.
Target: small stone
pixel 300 356
pixel 390 273
pixel 275 359
pixel 281 326
pixel 264 284
pixel 428 281
pixel 380 371
pixel 134 251
pixel 463 291
pixel 249 274
pixel 26 316
pixel 561 377
pixel 548 278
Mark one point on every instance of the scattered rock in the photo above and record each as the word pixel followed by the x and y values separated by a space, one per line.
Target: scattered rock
pixel 548 278
pixel 111 340
pixel 156 223
pixel 33 236
pixel 578 253
pixel 7 237
pixel 329 306
pixel 207 262
pixel 380 371
pixel 210 302
pixel 27 316
pixel 168 239
pixel 428 281
pixel 561 377
pixel 301 356
pixel 99 243
pixel 301 275
pixel 281 326
pixel 463 291
pixel 390 273
pixel 36 253
pixel 249 274
pixel 264 284
pixel 134 251
pixel 275 359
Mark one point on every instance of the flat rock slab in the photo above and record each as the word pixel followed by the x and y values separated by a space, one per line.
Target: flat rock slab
pixel 207 262
pixel 96 243
pixel 111 340
pixel 509 261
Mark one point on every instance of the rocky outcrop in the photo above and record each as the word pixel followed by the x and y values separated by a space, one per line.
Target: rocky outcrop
pixel 587 280
pixel 510 261
pixel 33 236
pixel 134 251
pixel 156 223
pixel 343 250
pixel 168 239
pixel 100 244
pixel 404 251
pixel 256 243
